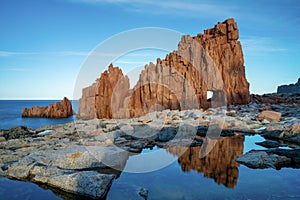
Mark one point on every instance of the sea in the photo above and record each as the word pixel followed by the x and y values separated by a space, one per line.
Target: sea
pixel 11 114
pixel 188 176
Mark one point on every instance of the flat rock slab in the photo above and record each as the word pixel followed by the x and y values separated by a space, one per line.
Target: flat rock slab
pixel 69 169
pixel 282 135
pixel 275 158
pixel 87 183
pixel 78 158
pixel 262 159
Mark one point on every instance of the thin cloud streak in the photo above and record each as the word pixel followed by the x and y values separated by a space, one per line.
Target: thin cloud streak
pixel 256 45
pixel 184 9
pixel 15 53
pixel 8 69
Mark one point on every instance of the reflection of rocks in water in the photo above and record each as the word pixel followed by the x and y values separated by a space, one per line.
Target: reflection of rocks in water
pixel 219 164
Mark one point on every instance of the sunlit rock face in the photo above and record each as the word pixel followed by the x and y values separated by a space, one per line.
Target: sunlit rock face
pixel 61 109
pixel 110 90
pixel 212 61
pixel 219 164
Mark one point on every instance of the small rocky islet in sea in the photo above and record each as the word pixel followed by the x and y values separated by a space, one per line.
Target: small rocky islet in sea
pixel 85 156
pixel 61 109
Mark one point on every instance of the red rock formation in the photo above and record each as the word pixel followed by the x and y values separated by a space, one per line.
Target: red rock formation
pixel 96 101
pixel 212 61
pixel 57 110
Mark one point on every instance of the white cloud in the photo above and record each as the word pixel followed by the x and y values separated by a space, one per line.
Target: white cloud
pixel 15 53
pixel 15 69
pixel 257 45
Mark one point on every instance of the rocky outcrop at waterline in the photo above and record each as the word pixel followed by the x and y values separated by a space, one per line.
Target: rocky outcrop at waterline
pixel 273 158
pixel 56 110
pixel 289 89
pixel 212 61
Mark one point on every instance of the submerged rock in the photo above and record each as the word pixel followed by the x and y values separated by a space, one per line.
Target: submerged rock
pixel 143 192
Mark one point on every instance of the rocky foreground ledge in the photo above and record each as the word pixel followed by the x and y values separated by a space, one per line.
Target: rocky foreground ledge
pixel 85 157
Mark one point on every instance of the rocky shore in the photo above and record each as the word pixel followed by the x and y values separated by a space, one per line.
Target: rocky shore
pixel 84 157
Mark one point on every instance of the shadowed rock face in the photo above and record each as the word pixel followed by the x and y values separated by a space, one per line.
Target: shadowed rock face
pixel 57 110
pixel 292 88
pixel 212 61
pixel 219 164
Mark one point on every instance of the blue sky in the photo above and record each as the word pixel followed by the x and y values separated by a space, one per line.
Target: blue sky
pixel 43 44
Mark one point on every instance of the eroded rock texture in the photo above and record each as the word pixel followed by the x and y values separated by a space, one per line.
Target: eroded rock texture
pixel 109 90
pixel 212 61
pixel 57 110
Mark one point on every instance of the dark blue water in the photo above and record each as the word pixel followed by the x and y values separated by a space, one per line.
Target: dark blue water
pixel 11 114
pixel 11 190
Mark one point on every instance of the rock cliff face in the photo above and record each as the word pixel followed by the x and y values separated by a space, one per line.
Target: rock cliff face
pixel 57 110
pixel 212 61
pixel 105 98
pixel 292 88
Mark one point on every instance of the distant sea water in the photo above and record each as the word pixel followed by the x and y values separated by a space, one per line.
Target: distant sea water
pixel 11 114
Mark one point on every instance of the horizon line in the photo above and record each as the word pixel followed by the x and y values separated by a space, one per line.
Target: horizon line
pixel 24 99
